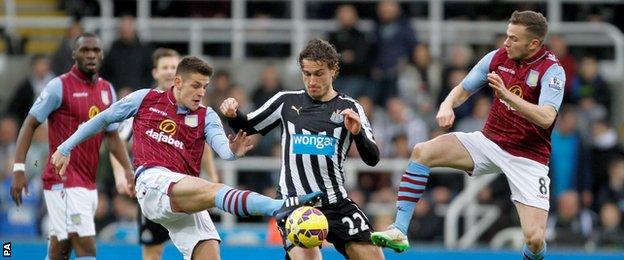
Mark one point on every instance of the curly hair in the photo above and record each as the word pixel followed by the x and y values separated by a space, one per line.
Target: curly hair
pixel 323 51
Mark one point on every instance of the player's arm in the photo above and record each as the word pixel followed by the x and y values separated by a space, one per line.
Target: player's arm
pixel 122 169
pixel 475 80
pixel 262 120
pixel 227 148
pixel 208 164
pixel 357 123
pixel 119 172
pixel 49 100
pixel 544 113
pixel 118 111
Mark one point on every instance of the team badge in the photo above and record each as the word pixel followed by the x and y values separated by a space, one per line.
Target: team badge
pixel 532 78
pixel 105 99
pixel 336 117
pixel 75 219
pixel 191 120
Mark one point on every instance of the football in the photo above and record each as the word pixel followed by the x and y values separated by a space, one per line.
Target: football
pixel 306 227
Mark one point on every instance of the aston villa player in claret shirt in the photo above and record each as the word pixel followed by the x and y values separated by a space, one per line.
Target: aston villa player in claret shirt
pixel 528 89
pixel 67 102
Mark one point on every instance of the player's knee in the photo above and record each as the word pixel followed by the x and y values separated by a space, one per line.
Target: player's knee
pixel 420 155
pixel 534 238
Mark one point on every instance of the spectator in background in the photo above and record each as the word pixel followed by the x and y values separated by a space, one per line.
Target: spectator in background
pixel 417 79
pixel 8 135
pixel 610 234
pixel 425 225
pixel 268 86
pixel 221 83
pixel 591 90
pixel 31 87
pixel 568 168
pixel 394 41
pixel 352 45
pixel 568 226
pixel 62 59
pixel 476 120
pixel 558 46
pixel 400 121
pixel 613 190
pixel 124 228
pixel 129 61
pixel 604 149
pixel 22 221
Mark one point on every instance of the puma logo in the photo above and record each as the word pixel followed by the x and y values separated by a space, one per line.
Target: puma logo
pixel 296 109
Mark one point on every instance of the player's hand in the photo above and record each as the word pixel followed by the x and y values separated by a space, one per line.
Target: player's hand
pixel 240 144
pixel 497 84
pixel 228 107
pixel 352 121
pixel 60 163
pixel 125 186
pixel 129 185
pixel 19 184
pixel 445 116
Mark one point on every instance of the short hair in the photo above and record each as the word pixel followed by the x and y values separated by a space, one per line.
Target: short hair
pixel 84 35
pixel 192 64
pixel 320 50
pixel 163 52
pixel 36 58
pixel 534 22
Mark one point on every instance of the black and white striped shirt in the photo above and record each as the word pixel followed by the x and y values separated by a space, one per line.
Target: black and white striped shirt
pixel 314 141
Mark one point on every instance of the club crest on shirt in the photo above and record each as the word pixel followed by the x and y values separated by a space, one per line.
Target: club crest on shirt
pixel 336 117
pixel 532 78
pixel 191 120
pixel 105 99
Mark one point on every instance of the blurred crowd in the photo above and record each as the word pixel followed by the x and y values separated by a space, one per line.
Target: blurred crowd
pixel 400 85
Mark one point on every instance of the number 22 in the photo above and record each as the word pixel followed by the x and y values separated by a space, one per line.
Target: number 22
pixel 352 229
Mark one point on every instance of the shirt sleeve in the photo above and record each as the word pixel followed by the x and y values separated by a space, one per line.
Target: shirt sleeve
pixel 477 77
pixel 364 141
pixel 114 126
pixel 552 87
pixel 118 111
pixel 48 101
pixel 263 119
pixel 216 137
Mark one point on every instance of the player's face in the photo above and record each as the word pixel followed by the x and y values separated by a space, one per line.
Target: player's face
pixel 190 88
pixel 317 78
pixel 520 43
pixel 88 55
pixel 164 72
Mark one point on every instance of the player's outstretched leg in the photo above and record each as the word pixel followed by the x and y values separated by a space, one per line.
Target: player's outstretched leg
pixel 411 188
pixel 248 203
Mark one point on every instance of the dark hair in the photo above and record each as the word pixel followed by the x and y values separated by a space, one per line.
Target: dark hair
pixel 534 22
pixel 163 52
pixel 320 50
pixel 192 64
pixel 84 35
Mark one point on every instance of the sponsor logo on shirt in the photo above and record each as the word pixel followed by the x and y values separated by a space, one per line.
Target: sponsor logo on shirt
pixel 508 70
pixel 296 109
pixel 168 126
pixel 516 90
pixel 80 94
pixel 157 111
pixel 93 111
pixel 162 137
pixel 313 144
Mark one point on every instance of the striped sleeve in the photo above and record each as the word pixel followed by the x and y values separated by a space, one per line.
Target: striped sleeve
pixel 263 119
